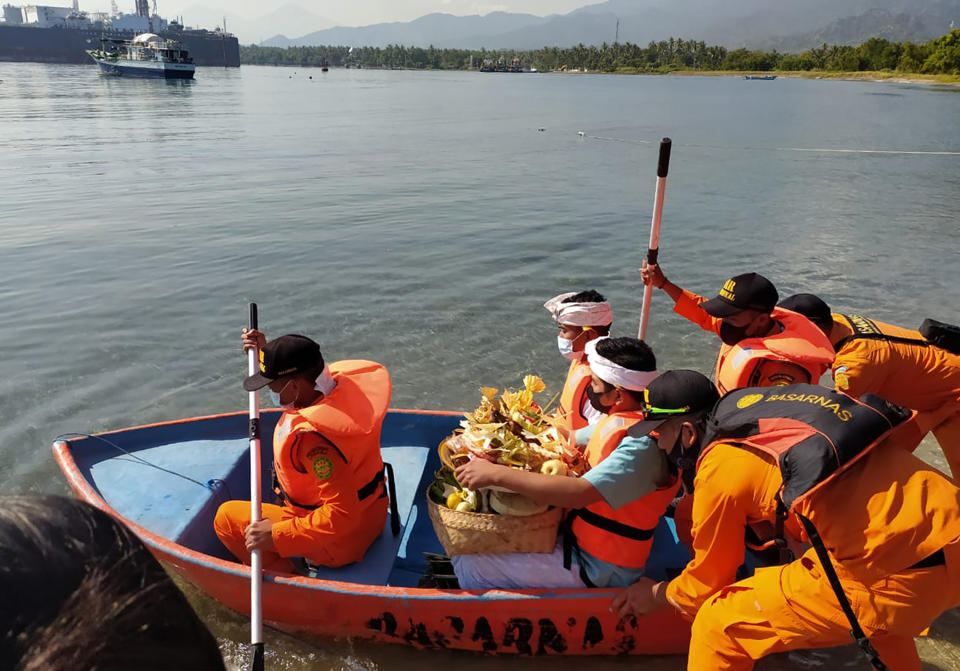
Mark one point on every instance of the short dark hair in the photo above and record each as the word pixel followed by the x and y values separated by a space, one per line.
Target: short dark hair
pixel 630 353
pixel 81 592
pixel 588 296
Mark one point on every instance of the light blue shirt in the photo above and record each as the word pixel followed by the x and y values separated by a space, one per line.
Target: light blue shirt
pixel 631 471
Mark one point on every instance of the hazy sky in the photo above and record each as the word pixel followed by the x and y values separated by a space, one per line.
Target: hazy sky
pixel 350 13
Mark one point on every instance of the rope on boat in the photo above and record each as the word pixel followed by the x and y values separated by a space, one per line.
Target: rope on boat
pixel 213 484
pixel 908 152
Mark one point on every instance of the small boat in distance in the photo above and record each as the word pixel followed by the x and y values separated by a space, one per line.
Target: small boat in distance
pixel 761 77
pixel 146 55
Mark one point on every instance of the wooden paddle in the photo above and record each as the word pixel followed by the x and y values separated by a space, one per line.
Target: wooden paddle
pixel 653 246
pixel 255 659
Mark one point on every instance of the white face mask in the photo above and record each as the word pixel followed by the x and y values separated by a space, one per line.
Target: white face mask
pixel 566 348
pixel 325 383
pixel 275 397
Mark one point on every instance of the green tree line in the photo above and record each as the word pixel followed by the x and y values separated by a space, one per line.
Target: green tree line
pixel 939 56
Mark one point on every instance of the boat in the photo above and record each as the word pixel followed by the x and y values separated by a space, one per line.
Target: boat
pixel 761 77
pixel 50 34
pixel 165 482
pixel 146 55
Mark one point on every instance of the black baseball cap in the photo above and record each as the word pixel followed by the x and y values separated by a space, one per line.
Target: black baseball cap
pixel 282 356
pixel 749 291
pixel 672 394
pixel 810 306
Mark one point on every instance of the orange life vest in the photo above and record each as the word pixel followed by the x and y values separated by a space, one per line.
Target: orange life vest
pixel 800 342
pixel 350 419
pixel 573 395
pixel 623 536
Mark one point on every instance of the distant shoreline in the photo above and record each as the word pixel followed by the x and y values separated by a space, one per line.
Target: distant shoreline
pixel 866 75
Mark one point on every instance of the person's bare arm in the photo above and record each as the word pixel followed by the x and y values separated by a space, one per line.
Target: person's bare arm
pixel 554 490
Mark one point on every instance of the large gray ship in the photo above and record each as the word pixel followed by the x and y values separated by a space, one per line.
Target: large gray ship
pixel 49 34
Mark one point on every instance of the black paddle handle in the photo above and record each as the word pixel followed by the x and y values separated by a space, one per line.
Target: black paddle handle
pixel 252 316
pixel 664 162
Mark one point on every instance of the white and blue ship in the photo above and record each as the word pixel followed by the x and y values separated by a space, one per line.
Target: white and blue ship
pixel 146 55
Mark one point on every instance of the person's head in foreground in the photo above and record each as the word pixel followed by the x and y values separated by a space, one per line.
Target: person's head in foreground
pixel 81 592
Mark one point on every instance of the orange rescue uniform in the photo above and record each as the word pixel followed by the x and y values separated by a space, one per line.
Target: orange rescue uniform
pixel 799 353
pixel 329 474
pixel 925 378
pixel 887 512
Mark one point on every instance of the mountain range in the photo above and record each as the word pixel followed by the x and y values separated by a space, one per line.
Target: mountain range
pixel 766 24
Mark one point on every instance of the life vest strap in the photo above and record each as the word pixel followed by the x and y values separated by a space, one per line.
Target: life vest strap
pixel 614 527
pixel 856 631
pixel 860 334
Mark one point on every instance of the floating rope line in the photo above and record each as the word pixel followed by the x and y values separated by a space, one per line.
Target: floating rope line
pixel 814 150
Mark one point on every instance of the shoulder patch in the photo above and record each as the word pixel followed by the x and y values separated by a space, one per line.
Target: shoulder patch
pixel 323 468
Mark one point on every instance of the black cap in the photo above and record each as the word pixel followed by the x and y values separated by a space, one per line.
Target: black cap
pixel 749 291
pixel 810 306
pixel 678 392
pixel 282 356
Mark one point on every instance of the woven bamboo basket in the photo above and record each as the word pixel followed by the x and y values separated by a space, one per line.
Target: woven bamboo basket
pixel 463 533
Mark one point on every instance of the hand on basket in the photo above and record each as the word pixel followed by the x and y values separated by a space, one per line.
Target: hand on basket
pixel 478 473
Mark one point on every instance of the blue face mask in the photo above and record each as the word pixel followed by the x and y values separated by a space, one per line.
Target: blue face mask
pixel 566 348
pixel 275 397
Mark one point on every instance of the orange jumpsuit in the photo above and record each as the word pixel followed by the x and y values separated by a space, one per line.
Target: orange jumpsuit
pixel 815 354
pixel 328 466
pixel 926 379
pixel 889 511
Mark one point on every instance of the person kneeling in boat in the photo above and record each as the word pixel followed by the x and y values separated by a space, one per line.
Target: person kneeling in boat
pixel 328 473
pixel 763 345
pixel 895 363
pixel 618 502
pixel 581 317
pixel 817 464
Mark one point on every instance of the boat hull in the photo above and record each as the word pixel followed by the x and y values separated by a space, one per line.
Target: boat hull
pixel 393 610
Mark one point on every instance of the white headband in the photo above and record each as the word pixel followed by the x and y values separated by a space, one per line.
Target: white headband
pixel 614 373
pixel 579 314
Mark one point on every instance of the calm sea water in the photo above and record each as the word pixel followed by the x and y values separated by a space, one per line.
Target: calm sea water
pixel 421 219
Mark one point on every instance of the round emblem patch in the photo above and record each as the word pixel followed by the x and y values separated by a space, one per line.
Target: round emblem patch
pixel 841 381
pixel 323 468
pixel 748 400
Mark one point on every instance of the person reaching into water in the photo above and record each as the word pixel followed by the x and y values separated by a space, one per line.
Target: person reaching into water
pixel 816 465
pixel 80 592
pixel 581 318
pixel 896 363
pixel 763 345
pixel 617 503
pixel 328 472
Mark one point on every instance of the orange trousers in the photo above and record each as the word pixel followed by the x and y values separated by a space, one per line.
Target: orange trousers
pixel 231 522
pixel 792 607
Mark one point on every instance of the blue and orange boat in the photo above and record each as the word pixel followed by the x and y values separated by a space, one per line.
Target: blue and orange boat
pixel 165 481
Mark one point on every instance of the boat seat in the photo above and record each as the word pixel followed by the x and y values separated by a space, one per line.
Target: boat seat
pixel 374 569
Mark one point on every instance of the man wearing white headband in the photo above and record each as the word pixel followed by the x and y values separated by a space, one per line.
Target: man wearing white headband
pixel 618 503
pixel 581 318
pixel 328 473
